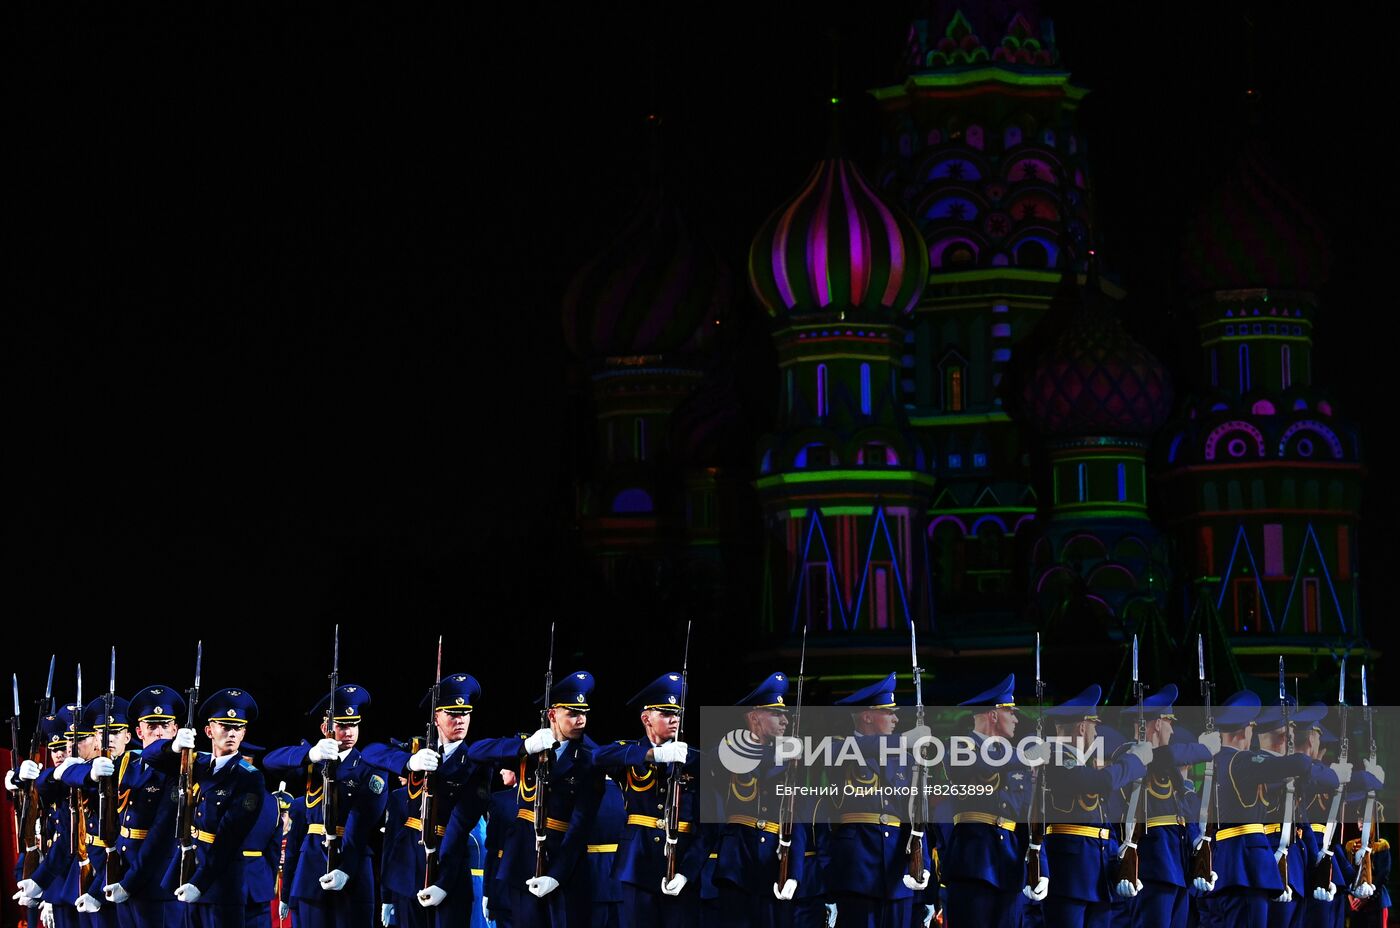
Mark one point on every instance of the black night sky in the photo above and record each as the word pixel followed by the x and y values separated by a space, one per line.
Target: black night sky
pixel 284 340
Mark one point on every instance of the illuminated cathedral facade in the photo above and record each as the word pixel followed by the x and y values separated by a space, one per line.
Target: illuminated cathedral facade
pixel 965 436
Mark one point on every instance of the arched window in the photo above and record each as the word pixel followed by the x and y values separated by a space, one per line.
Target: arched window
pixel 865 389
pixel 821 390
pixel 953 388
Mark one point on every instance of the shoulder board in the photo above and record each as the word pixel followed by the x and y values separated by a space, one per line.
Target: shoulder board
pixel 242 762
pixel 1380 844
pixel 622 741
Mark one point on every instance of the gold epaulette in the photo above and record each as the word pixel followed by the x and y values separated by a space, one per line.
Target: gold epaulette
pixel 1378 845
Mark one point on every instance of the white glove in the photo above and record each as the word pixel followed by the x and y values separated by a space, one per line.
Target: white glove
pixel 672 752
pixel 425 761
pixel 1126 890
pixel 28 770
pixel 28 889
pixel 1361 853
pixel 325 749
pixel 1374 769
pixel 1036 753
pixel 674 885
pixel 929 913
pixel 786 891
pixel 1343 771
pixel 46 915
pixel 1325 895
pixel 1210 740
pixel 1037 892
pixel 1364 891
pixel 10 781
pixel 334 881
pixel 188 892
pixel 831 915
pixel 87 903
pixel 917 734
pixel 914 884
pixel 183 741
pixel 115 892
pixel 486 908
pixel 101 767
pixel 386 915
pixel 282 911
pixel 540 741
pixel 1142 751
pixel 1286 896
pixel 541 886
pixel 68 761
pixel 431 896
pixel 1206 886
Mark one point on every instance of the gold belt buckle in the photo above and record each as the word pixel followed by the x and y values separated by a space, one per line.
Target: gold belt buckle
pixel 760 823
pixel 885 818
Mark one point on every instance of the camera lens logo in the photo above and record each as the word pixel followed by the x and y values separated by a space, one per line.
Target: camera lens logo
pixel 740 752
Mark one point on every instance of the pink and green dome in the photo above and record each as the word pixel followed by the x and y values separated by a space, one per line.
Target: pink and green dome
pixel 656 289
pixel 838 246
pixel 1254 232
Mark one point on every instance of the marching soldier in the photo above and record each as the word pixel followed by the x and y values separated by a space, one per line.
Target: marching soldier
pixel 261 848
pixel 229 800
pixel 1369 902
pixel 985 864
pixel 456 785
pixel 1246 874
pixel 1164 856
pixel 83 777
pixel 1324 906
pixel 1080 848
pixel 545 879
pixel 604 838
pixel 642 768
pixel 500 820
pixel 342 895
pixel 146 840
pixel 58 851
pixel 868 867
pixel 63 892
pixel 50 729
pixel 746 849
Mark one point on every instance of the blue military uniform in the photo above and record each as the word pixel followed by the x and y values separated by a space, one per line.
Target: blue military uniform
pixel 1322 913
pixel 746 845
pixel 984 867
pixel 1247 874
pixel 500 822
pixel 94 873
pixel 261 849
pixel 1369 912
pixel 604 838
pixel 867 853
pixel 362 795
pixel 1164 855
pixel 276 854
pixel 1081 849
pixel 459 786
pixel 640 864
pixel 55 871
pixel 35 848
pixel 230 798
pixel 146 841
pixel 574 791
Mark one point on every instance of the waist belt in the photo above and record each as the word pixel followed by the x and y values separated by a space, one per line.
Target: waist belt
pixel 870 818
pixel 478 873
pixel 1225 834
pixel 206 836
pixel 984 818
pixel 317 828
pixel 602 848
pixel 252 853
pixel 1081 831
pixel 553 824
pixel 751 822
pixel 136 834
pixel 1318 828
pixel 647 821
pixel 417 825
pixel 94 841
pixel 1162 821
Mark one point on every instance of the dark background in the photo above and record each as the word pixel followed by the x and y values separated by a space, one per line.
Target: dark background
pixel 284 345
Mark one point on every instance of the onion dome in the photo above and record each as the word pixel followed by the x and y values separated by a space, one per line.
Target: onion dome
pixel 1096 380
pixel 657 289
pixel 838 247
pixel 1254 232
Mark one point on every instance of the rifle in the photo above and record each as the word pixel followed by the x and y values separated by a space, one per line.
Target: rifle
pixel 14 764
pixel 542 765
pixel 330 799
pixel 29 806
pixel 918 781
pixel 676 777
pixel 107 787
pixel 1134 827
pixel 787 808
pixel 77 804
pixel 428 810
pixel 1322 867
pixel 1202 862
pixel 281 849
pixel 1285 834
pixel 1368 815
pixel 1038 786
pixel 185 795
